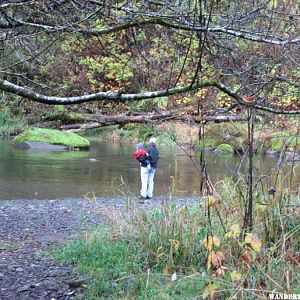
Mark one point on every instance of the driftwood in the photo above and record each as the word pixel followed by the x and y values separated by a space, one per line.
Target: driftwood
pixel 89 121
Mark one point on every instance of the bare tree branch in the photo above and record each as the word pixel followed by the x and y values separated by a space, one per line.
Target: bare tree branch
pixel 123 97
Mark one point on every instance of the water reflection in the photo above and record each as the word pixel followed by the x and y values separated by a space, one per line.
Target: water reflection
pixel 108 169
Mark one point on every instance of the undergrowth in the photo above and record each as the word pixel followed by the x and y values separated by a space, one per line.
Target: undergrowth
pixel 184 252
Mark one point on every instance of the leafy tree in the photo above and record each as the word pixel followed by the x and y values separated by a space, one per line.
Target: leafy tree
pixel 247 50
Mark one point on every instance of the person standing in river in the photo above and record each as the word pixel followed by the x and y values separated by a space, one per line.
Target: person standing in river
pixel 147 174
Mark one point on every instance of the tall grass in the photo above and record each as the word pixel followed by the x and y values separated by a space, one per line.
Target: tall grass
pixel 184 252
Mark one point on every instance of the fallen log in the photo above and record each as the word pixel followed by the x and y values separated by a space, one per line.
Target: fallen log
pixel 94 121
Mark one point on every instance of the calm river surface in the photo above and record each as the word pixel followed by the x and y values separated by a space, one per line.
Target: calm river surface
pixel 108 169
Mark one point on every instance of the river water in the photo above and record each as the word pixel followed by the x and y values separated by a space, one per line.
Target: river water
pixel 107 170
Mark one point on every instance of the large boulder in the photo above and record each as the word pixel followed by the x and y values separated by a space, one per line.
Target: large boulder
pixel 233 134
pixel 39 136
pixel 225 148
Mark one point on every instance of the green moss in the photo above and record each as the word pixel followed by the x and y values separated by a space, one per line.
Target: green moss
pixel 129 126
pixel 207 142
pixel 226 148
pixel 74 117
pixel 233 134
pixel 52 136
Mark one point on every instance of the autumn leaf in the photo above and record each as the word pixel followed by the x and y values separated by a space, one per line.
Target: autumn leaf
pixel 174 244
pixel 235 275
pixel 217 258
pixel 253 241
pixel 247 257
pixel 220 271
pixel 167 270
pixel 210 201
pixel 210 241
pixel 210 291
pixel 234 231
pixel 160 256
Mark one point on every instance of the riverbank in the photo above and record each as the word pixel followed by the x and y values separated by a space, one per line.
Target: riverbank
pixel 29 229
pixel 270 137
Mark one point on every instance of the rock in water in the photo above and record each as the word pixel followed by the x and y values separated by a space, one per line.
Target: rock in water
pixel 39 137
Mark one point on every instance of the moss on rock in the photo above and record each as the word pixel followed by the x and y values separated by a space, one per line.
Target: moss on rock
pixel 226 148
pixel 233 134
pixel 52 136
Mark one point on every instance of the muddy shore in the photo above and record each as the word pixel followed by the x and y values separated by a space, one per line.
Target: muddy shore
pixel 30 228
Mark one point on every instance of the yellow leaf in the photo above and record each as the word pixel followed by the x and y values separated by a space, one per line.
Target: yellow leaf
pixel 210 201
pixel 159 256
pixel 234 231
pixel 210 241
pixel 175 244
pixel 235 276
pixel 253 241
pixel 210 290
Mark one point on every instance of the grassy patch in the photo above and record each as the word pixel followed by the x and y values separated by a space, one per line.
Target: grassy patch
pixel 182 252
pixel 136 257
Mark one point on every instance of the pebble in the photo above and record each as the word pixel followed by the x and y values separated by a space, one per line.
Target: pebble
pixel 19 269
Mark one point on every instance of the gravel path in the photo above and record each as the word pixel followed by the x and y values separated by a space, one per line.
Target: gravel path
pixel 30 228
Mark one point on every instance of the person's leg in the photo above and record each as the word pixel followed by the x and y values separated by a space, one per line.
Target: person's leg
pixel 144 181
pixel 150 183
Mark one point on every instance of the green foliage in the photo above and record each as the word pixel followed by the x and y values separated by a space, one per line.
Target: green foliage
pixel 130 126
pixel 171 253
pixel 146 131
pixel 148 105
pixel 55 112
pixel 10 122
pixel 284 140
pixel 171 238
pixel 207 142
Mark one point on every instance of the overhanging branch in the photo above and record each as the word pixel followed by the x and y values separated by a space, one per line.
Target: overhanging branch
pixel 123 97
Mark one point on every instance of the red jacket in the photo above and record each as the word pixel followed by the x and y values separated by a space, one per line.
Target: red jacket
pixel 140 153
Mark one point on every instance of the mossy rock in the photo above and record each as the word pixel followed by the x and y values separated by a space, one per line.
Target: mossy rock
pixel 52 136
pixel 206 143
pixel 233 134
pixel 226 148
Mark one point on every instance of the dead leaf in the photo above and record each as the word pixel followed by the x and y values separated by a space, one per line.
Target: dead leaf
pixel 215 259
pixel 247 257
pixel 167 270
pixel 253 241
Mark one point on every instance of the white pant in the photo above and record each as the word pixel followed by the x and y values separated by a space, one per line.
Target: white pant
pixel 147 179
